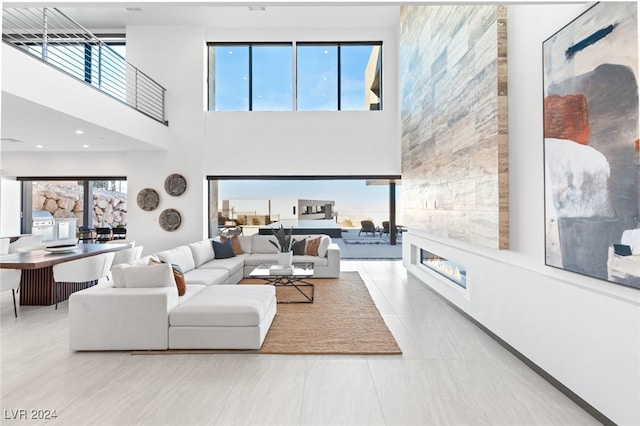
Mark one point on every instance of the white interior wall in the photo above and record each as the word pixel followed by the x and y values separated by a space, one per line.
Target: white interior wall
pixel 52 164
pixel 38 82
pixel 175 56
pixel 10 202
pixel 315 142
pixel 584 332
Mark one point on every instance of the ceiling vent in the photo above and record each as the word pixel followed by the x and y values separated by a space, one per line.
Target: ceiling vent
pixel 257 8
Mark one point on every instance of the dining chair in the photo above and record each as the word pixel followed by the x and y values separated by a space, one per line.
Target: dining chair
pixel 106 268
pixel 26 243
pixel 86 234
pixel 86 272
pixel 103 234
pixel 119 233
pixel 10 280
pixel 4 245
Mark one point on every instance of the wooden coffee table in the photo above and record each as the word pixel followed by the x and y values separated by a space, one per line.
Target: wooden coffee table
pixel 294 277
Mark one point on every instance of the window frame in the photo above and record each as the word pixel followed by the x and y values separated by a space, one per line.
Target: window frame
pixel 26 207
pixel 211 70
pixel 294 58
pixel 339 45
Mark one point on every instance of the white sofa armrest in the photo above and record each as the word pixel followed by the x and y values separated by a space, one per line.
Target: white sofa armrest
pixel 333 254
pixel 108 318
pixel 332 270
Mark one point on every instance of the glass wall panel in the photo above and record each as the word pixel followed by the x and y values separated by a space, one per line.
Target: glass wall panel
pixel 91 203
pixel 231 78
pixel 109 203
pixel 359 77
pixel 272 78
pixel 317 78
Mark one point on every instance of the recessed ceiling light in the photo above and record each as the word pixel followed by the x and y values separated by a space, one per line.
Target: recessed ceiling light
pixel 85 146
pixel 39 146
pixel 79 132
pixel 230 52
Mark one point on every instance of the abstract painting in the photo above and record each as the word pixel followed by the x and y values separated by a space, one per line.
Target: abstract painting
pixel 591 145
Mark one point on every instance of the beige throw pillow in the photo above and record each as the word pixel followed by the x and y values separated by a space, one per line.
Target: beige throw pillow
pixel 312 246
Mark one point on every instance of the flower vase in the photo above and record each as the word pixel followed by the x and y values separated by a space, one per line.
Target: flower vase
pixel 285 258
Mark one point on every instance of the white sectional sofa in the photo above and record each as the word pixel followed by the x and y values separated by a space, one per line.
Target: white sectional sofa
pixel 140 309
pixel 200 265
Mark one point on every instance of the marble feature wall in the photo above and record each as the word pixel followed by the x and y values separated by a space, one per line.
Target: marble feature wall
pixel 453 72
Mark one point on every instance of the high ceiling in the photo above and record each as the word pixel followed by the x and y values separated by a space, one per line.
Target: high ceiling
pixel 105 16
pixel 101 17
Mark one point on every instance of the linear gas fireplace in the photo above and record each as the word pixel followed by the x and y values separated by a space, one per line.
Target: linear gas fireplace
pixel 444 267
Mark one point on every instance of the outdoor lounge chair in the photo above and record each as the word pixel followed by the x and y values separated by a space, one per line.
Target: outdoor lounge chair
pixel 367 226
pixel 386 228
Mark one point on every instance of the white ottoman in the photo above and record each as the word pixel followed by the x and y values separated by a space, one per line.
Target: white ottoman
pixel 223 317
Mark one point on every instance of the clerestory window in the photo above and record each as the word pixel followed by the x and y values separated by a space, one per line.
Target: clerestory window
pixel 326 77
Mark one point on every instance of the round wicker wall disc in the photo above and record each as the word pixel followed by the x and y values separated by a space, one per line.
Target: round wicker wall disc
pixel 170 219
pixel 175 184
pixel 148 199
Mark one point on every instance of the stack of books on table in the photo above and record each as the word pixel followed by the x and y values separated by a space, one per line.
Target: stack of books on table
pixel 280 269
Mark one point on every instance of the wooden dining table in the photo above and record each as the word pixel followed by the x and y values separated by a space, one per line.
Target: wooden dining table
pixel 36 284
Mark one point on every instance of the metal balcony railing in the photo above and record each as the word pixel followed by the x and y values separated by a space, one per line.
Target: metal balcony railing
pixel 53 37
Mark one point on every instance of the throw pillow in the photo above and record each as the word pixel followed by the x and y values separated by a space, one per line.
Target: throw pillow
pixel 298 248
pixel 180 255
pixel 312 246
pixel 181 284
pixel 325 242
pixel 202 252
pixel 235 244
pixel 148 276
pixel 117 275
pixel 178 276
pixel 223 250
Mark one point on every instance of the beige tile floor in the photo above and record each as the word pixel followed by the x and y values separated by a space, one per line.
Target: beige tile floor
pixel 450 373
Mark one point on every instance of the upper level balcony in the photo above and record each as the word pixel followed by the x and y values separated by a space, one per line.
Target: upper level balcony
pixel 58 77
pixel 51 36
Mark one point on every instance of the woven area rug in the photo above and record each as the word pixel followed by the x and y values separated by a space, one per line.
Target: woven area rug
pixel 342 320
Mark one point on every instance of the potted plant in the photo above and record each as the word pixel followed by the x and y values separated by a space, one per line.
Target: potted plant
pixel 283 243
